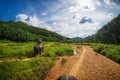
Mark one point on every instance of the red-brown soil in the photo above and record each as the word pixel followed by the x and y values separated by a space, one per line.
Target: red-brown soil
pixel 86 65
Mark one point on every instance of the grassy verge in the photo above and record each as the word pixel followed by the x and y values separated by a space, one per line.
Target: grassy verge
pixel 34 69
pixel 57 49
pixel 109 50
pixel 21 50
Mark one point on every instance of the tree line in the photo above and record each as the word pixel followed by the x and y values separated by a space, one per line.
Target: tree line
pixel 21 32
pixel 109 33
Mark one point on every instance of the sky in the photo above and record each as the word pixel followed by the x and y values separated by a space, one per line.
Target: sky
pixel 70 18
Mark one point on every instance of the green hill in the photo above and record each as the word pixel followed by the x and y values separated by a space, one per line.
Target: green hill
pixel 21 32
pixel 109 33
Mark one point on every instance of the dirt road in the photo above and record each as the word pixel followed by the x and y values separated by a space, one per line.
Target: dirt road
pixel 86 65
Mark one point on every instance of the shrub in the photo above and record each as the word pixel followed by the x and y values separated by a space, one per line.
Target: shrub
pixel 57 49
pixel 109 50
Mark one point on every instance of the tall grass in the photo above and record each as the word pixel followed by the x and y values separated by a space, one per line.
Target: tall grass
pixel 109 50
pixel 19 50
pixel 35 69
pixel 57 49
pixel 25 49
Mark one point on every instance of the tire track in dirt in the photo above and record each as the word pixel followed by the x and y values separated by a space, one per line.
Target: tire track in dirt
pixel 68 67
pixel 75 68
pixel 97 67
pixel 86 65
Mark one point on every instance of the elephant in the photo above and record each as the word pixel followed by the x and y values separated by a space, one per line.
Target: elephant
pixel 38 48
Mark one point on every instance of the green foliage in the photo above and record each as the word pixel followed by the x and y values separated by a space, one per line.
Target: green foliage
pixel 110 33
pixel 35 69
pixel 79 46
pixel 19 50
pixel 21 32
pixel 111 51
pixel 57 49
pixel 25 49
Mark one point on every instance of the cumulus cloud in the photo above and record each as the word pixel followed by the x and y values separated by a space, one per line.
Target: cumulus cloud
pixel 87 4
pixel 31 20
pixel 73 18
pixel 21 17
pixel 85 19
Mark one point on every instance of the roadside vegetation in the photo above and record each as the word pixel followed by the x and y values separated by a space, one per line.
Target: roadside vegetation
pixel 109 50
pixel 57 49
pixel 10 49
pixel 35 68
pixel 16 50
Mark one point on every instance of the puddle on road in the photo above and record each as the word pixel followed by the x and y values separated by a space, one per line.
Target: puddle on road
pixel 75 52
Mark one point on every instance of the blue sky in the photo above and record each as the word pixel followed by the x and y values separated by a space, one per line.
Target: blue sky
pixel 70 18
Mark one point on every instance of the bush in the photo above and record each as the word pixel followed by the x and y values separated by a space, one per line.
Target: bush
pixel 57 49
pixel 109 50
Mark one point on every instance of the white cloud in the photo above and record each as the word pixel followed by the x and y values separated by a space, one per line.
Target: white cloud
pixel 87 5
pixel 98 3
pixel 67 21
pixel 108 2
pixel 21 17
pixel 73 9
pixel 65 17
pixel 33 20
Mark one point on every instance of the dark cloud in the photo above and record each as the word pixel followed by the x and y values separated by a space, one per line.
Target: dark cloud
pixel 85 19
pixel 86 7
pixel 74 17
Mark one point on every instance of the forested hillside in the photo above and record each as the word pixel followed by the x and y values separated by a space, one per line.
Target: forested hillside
pixel 110 33
pixel 20 32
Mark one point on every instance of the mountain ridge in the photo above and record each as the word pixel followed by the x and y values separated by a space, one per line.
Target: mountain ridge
pixel 21 32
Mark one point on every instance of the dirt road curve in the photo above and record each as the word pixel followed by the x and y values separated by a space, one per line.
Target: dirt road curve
pixel 86 65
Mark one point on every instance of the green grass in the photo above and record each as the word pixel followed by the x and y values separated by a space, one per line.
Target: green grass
pixel 109 50
pixel 19 50
pixel 25 49
pixel 57 49
pixel 79 46
pixel 35 69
